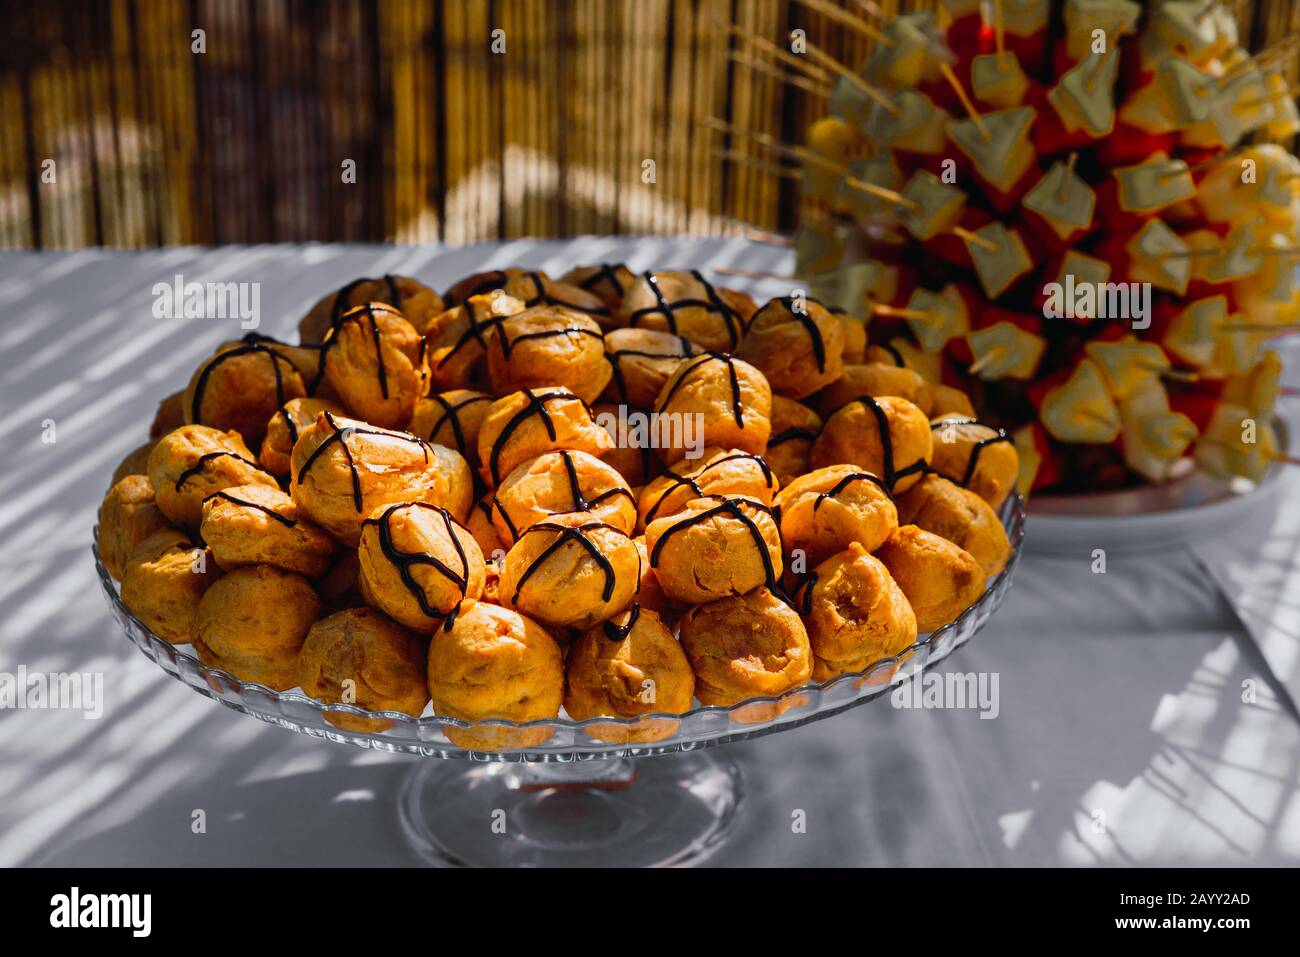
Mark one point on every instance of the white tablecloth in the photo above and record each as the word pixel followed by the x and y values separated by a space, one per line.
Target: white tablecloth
pixel 1122 735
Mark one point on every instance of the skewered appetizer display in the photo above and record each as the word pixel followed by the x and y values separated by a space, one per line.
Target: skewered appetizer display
pixel 399 515
pixel 1077 214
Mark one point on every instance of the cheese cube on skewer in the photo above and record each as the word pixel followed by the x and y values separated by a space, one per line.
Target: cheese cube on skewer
pixel 998 268
pixel 1150 260
pixel 1002 156
pixel 936 205
pixel 1084 97
pixel 1190 336
pixel 1117 18
pixel 997 79
pixel 1154 184
pixel 916 124
pixel 1063 200
pixel 1081 409
pixel 946 317
pixel 1127 364
pixel 1154 438
pixel 1005 351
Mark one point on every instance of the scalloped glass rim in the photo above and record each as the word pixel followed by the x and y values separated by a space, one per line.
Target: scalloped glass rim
pixel 705 726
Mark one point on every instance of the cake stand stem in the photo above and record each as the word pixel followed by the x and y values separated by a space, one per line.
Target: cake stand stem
pixel 669 810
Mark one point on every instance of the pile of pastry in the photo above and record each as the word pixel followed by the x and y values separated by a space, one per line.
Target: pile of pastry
pixel 428 500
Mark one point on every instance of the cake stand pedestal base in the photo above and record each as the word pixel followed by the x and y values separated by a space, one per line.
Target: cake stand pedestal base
pixel 673 810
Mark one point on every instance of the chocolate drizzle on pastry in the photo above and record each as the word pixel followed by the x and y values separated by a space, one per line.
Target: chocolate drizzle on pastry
pixel 977 448
pixel 810 326
pixel 737 406
pixel 508 344
pixel 618 355
pixel 692 481
pixel 226 496
pixel 291 425
pixel 732 507
pixel 807 583
pixel 577 498
pixel 202 461
pixel 791 434
pixel 574 533
pixel 893 354
pixel 475 331
pixel 490 281
pixel 580 502
pixel 543 296
pixel 536 406
pixel 618 632
pixel 251 346
pixel 405 561
pixel 892 473
pixel 341 436
pixel 844 482
pixel 711 303
pixel 367 310
pixel 342 297
pixel 451 414
pixel 605 272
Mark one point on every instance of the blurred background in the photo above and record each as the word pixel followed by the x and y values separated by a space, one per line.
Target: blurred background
pixel 153 144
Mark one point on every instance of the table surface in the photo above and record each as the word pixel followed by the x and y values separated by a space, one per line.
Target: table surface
pixel 1138 721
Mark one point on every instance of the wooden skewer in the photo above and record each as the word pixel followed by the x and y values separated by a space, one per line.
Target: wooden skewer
pixel 870 9
pixel 806 156
pixel 801 153
pixel 1065 177
pixel 882 309
pixel 999 29
pixel 1216 250
pixel 820 90
pixel 753 274
pixel 987 245
pixel 1091 80
pixel 846 19
pixel 966 102
pixel 1214 160
pixel 769 238
pixel 881 192
pixel 1228 328
pixel 984 361
pixel 1246 450
pixel 1097 417
pixel 1284 47
pixel 835 66
pixel 771 169
pixel 811 71
pixel 1165 372
pixel 1290 93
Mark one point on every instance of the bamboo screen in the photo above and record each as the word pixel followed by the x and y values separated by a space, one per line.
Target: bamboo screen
pixel 115 132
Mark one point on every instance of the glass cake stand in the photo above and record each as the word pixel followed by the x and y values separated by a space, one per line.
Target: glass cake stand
pixel 575 798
